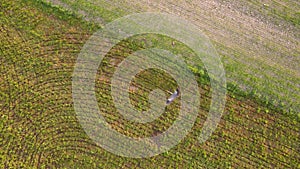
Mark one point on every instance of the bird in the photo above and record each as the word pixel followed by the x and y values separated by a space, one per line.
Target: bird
pixel 173 96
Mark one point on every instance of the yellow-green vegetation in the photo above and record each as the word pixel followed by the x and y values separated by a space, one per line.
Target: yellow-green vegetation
pixel 39 45
pixel 257 40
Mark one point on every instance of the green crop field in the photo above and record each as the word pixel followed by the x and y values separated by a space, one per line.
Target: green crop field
pixel 39 45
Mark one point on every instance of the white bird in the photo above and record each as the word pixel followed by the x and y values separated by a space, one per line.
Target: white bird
pixel 173 96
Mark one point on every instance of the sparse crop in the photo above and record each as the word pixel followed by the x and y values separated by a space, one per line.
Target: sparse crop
pixel 39 44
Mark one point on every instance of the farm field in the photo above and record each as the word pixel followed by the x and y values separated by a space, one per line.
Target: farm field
pixel 39 45
pixel 258 41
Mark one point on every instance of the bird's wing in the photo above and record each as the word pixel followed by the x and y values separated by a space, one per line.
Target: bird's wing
pixel 174 95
